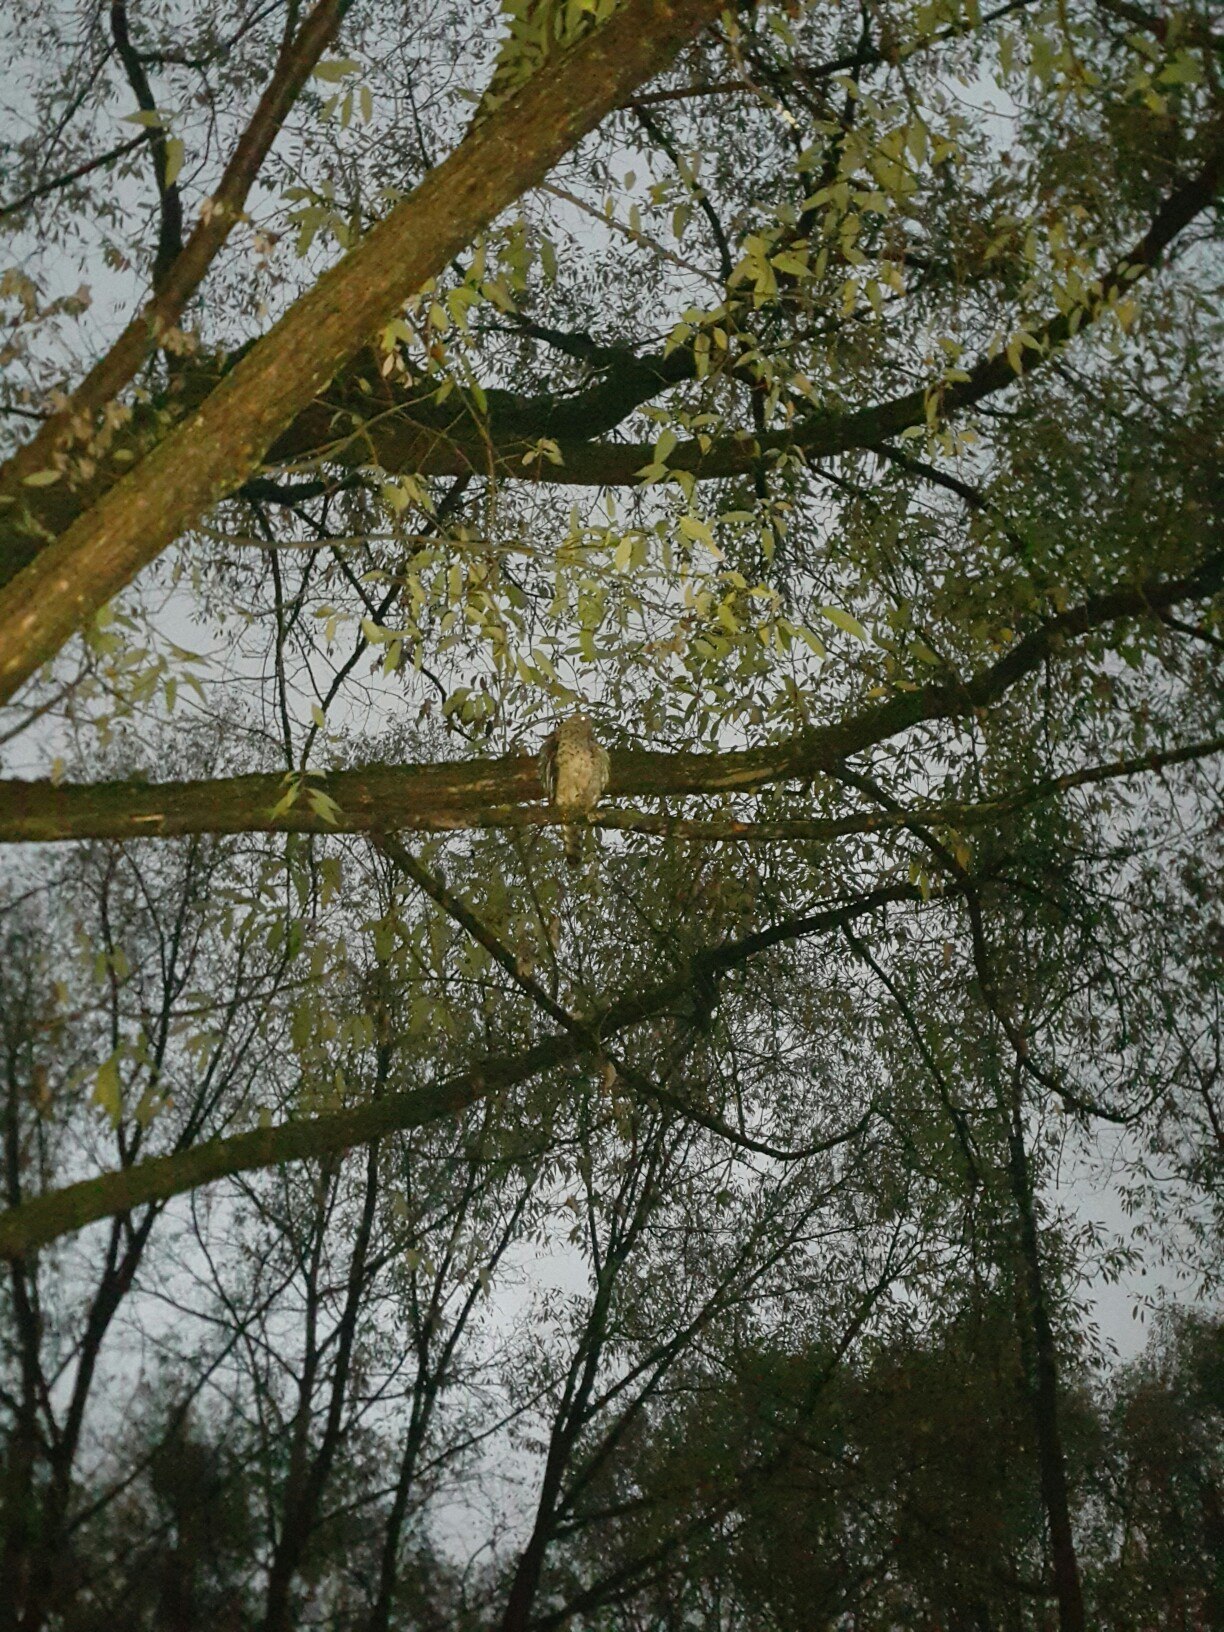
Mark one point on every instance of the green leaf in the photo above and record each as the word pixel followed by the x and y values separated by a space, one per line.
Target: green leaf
pixel 174 159
pixel 843 620
pixel 108 1090
pixel 664 446
pixel 329 878
pixel 700 531
pixel 334 68
pixel 324 807
pixel 288 799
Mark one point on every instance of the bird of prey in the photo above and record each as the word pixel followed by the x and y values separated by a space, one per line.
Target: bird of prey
pixel 574 772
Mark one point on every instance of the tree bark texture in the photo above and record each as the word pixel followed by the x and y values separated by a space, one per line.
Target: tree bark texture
pixel 487 792
pixel 1041 1363
pixel 223 441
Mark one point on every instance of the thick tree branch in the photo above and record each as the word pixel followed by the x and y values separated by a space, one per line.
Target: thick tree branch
pixel 455 442
pixel 362 417
pixel 226 438
pixel 490 793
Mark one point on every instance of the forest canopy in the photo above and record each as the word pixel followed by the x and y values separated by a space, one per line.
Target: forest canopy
pixel 437 1199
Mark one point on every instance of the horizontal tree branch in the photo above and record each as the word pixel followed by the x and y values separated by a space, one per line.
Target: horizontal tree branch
pixel 363 417
pixel 818 828
pixel 825 434
pixel 490 792
pixel 502 442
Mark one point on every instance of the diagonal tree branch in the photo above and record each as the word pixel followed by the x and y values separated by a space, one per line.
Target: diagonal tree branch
pixel 32 1225
pixel 67 177
pixel 455 907
pixel 182 274
pixel 223 441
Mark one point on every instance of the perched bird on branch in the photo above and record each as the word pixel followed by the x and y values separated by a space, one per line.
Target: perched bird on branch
pixel 574 772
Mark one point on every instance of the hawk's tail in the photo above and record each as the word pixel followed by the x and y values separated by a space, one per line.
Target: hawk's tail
pixel 572 837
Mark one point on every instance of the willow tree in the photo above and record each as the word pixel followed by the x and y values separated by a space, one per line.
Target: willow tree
pixel 823 398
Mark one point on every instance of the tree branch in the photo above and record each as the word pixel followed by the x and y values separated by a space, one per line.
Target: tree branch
pixel 491 792
pixel 226 438
pixel 32 1225
pixel 180 274
pixel 411 432
pixel 98 162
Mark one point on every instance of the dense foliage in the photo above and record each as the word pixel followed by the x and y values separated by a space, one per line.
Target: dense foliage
pixel 404 1228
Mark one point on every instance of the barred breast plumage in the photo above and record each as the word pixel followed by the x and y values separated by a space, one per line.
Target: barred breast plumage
pixel 574 771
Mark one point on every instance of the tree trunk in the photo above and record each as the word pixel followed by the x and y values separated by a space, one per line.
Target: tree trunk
pixel 1041 1366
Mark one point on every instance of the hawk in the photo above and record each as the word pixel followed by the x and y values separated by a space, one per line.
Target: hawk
pixel 574 771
